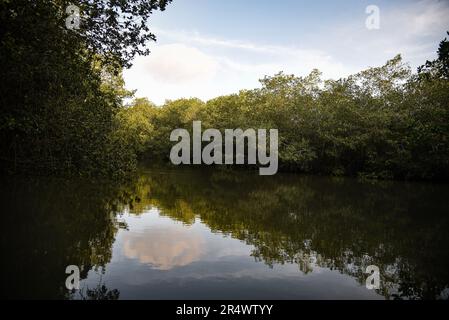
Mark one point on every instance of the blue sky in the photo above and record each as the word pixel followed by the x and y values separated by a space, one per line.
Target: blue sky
pixel 207 48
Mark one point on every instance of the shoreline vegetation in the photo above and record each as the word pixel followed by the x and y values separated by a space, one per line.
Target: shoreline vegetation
pixel 382 123
pixel 64 111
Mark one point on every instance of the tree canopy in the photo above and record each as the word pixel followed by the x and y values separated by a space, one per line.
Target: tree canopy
pixel 61 87
pixel 384 122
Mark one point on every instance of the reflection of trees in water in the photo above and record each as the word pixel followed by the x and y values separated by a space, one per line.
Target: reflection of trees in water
pixel 309 221
pixel 339 224
pixel 49 224
pixel 99 292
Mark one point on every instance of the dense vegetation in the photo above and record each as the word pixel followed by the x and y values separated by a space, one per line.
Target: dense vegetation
pixel 62 108
pixel 384 122
pixel 61 87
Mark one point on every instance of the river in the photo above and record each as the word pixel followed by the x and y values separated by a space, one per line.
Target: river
pixel 218 234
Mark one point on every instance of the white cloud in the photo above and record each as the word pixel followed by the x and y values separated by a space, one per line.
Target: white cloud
pixel 196 66
pixel 426 18
pixel 303 60
pixel 190 64
pixel 413 30
pixel 178 63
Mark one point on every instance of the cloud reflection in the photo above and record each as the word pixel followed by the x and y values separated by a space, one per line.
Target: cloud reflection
pixel 164 248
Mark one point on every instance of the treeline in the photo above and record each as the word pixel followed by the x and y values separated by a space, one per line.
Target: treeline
pixel 62 103
pixel 384 122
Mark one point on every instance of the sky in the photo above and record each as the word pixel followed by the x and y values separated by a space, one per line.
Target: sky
pixel 208 48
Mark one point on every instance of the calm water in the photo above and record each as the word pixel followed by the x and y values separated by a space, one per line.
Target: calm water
pixel 190 234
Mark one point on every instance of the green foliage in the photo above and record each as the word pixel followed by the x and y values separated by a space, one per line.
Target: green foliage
pixel 174 114
pixel 116 30
pixel 440 66
pixel 383 122
pixel 62 103
pixel 136 124
pixel 61 89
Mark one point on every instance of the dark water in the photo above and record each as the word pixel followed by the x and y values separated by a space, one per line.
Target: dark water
pixel 190 234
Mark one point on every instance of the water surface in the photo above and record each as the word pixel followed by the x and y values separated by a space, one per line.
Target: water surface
pixel 213 234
